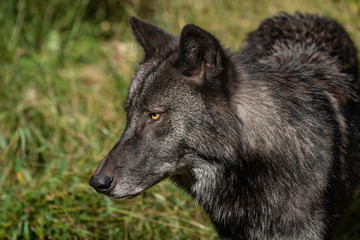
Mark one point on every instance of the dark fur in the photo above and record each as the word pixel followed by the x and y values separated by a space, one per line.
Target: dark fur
pixel 266 140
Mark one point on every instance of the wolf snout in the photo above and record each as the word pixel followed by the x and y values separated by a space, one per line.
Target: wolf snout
pixel 101 183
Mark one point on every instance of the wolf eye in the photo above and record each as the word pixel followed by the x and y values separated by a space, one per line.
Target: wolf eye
pixel 155 116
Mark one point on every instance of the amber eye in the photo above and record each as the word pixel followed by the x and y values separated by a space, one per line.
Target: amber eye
pixel 155 116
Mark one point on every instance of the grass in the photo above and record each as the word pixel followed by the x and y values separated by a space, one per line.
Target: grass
pixel 64 73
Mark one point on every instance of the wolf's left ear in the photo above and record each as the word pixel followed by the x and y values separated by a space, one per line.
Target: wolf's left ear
pixel 152 38
pixel 201 55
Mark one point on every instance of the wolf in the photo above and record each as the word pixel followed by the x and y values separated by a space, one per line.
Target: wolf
pixel 266 140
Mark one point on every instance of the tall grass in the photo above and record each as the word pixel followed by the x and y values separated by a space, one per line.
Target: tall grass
pixel 65 67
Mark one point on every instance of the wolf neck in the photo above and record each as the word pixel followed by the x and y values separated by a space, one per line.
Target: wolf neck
pixel 216 164
pixel 228 180
pixel 219 191
pixel 218 153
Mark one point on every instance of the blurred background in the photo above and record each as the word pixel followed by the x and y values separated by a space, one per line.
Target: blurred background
pixel 65 67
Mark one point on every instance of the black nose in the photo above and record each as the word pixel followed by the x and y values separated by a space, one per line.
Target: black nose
pixel 101 182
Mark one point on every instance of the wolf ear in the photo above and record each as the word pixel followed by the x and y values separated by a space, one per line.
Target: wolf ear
pixel 152 38
pixel 201 55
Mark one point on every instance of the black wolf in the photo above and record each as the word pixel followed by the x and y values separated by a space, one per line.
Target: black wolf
pixel 265 140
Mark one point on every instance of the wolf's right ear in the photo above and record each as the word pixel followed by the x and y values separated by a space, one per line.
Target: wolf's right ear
pixel 152 38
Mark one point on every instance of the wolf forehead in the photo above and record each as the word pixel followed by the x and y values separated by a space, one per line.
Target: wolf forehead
pixel 156 78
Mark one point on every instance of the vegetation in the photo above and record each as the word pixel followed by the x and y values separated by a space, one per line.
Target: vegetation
pixel 65 67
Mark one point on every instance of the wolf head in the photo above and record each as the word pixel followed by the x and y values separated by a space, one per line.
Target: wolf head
pixel 176 110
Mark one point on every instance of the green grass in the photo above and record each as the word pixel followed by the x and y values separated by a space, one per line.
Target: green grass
pixel 65 67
